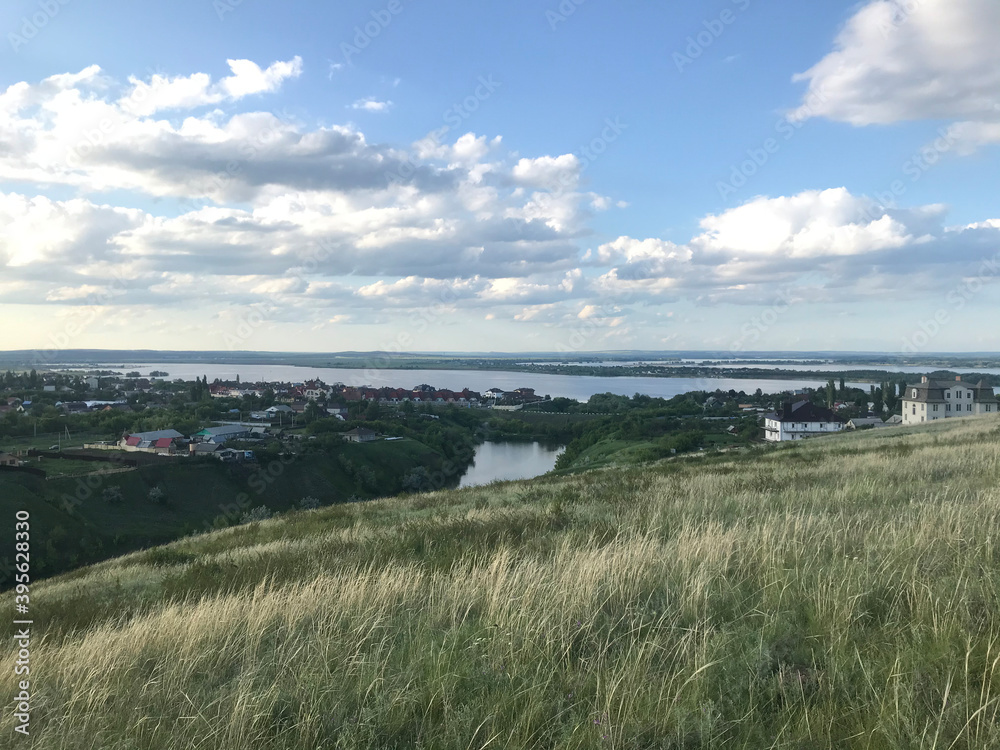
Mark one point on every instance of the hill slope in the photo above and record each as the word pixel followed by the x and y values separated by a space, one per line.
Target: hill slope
pixel 841 593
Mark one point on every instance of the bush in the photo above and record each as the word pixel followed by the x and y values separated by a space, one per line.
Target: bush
pixel 260 513
pixel 112 495
pixel 157 495
pixel 308 503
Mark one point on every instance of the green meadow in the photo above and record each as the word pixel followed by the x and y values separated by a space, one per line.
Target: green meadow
pixel 838 593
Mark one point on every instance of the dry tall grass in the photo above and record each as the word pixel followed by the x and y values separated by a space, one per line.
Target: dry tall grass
pixel 835 594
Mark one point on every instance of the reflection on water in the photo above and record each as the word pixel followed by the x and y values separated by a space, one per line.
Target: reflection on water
pixel 509 461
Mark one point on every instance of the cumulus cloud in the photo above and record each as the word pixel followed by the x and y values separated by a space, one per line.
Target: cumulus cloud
pixel 317 224
pixel 187 92
pixel 929 60
pixel 844 246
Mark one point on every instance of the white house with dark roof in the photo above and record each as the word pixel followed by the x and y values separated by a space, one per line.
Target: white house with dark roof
pixel 930 400
pixel 799 420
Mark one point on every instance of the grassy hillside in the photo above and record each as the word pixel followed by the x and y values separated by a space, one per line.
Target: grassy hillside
pixel 840 593
pixel 199 495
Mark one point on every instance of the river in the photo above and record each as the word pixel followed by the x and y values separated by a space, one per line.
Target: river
pixel 504 461
pixel 577 387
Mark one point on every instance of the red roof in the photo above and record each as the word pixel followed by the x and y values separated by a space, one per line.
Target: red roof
pixel 133 441
pixel 163 443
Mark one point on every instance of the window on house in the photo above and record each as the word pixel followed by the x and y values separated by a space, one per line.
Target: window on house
pixel 947 407
pixel 914 393
pixel 935 407
pixel 914 411
pixel 969 407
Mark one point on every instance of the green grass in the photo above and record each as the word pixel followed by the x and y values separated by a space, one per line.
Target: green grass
pixel 839 593
pixel 68 467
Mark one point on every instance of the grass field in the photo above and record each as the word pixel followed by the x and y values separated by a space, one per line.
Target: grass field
pixel 839 593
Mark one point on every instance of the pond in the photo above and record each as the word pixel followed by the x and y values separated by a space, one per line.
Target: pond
pixel 505 461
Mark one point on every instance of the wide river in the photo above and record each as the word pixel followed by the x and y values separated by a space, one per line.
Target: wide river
pixel 503 461
pixel 568 386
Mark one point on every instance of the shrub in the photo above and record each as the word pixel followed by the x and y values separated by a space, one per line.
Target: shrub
pixel 260 513
pixel 112 495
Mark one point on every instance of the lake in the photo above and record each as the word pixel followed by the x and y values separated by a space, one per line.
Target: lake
pixel 577 387
pixel 505 461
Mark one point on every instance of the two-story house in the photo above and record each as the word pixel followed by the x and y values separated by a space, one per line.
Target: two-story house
pixel 796 421
pixel 930 400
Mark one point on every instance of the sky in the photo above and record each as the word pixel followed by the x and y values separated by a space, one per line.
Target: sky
pixel 531 175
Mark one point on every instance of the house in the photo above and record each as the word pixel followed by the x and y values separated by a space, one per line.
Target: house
pixel 359 435
pixel 799 420
pixel 161 441
pixel 204 449
pixel 8 459
pixel 930 400
pixel 279 409
pixel 219 435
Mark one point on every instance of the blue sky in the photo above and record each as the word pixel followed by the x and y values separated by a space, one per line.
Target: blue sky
pixel 510 176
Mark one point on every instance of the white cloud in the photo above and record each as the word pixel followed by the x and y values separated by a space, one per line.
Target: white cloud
pixel 371 104
pixel 318 225
pixel 811 224
pixel 547 172
pixel 187 92
pixel 925 60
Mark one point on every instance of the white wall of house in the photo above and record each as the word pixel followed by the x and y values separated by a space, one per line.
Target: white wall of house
pixel 779 432
pixel 959 401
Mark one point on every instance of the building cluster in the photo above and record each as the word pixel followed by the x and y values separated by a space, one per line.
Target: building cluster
pixel 210 441
pixel 297 395
pixel 926 401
